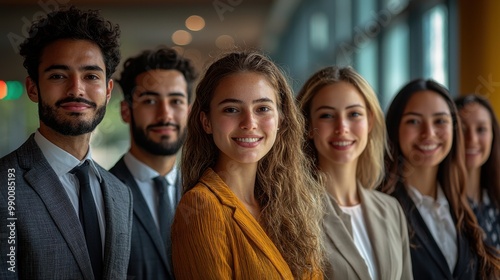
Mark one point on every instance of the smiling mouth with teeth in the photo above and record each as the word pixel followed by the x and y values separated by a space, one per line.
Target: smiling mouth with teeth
pixel 342 143
pixel 427 147
pixel 247 140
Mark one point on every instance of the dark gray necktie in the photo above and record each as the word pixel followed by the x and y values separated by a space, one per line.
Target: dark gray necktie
pixel 88 218
pixel 164 212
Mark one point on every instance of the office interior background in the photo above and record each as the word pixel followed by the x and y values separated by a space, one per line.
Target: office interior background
pixel 389 42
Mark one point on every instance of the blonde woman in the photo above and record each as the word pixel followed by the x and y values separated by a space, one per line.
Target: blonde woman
pixel 365 230
pixel 250 209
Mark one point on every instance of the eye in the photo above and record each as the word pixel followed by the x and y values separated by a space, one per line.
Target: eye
pixel 442 121
pixel 92 77
pixel 149 101
pixel 326 116
pixel 263 109
pixel 482 129
pixel 56 77
pixel 412 121
pixel 230 110
pixel 355 114
pixel 177 102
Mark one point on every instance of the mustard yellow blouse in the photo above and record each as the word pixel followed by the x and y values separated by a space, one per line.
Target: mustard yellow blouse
pixel 215 237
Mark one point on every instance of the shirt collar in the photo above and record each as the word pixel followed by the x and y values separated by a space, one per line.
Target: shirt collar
pixel 61 161
pixel 419 198
pixel 144 173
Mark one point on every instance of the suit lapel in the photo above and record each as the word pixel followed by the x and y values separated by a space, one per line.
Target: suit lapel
pixel 421 231
pixel 118 225
pixel 377 228
pixel 141 209
pixel 247 223
pixel 338 234
pixel 56 201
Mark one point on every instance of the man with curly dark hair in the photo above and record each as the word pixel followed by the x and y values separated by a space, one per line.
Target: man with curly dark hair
pixel 68 217
pixel 157 88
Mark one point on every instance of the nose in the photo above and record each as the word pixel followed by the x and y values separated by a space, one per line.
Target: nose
pixel 340 126
pixel 163 110
pixel 248 121
pixel 470 136
pixel 75 87
pixel 428 129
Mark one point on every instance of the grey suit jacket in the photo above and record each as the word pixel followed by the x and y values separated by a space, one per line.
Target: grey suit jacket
pixel 386 225
pixel 150 258
pixel 47 241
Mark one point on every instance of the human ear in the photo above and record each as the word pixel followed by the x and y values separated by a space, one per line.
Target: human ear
pixel 207 126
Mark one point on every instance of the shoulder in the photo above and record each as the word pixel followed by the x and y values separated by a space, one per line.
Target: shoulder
pixel 199 208
pixel 115 185
pixel 200 197
pixel 27 151
pixel 380 197
pixel 384 202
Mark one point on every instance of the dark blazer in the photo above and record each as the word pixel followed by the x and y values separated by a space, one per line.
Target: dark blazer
pixel 386 226
pixel 49 242
pixel 428 261
pixel 148 257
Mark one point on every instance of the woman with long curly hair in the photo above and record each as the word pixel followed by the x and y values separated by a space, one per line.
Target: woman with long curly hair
pixel 365 234
pixel 482 158
pixel 426 173
pixel 250 210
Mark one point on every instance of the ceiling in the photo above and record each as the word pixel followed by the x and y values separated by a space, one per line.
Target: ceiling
pixel 145 24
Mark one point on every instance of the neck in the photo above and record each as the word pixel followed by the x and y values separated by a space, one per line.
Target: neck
pixel 77 146
pixel 423 179
pixel 473 184
pixel 240 178
pixel 161 164
pixel 341 183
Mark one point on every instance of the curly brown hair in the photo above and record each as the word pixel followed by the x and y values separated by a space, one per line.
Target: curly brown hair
pixel 290 198
pixel 75 24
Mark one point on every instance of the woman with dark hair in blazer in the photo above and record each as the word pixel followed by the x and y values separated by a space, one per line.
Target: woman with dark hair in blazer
pixel 426 173
pixel 365 233
pixel 482 158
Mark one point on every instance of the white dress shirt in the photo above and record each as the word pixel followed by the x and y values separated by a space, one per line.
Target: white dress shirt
pixel 437 216
pixel 361 238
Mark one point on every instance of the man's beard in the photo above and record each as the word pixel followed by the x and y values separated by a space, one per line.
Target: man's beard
pixel 69 127
pixel 162 148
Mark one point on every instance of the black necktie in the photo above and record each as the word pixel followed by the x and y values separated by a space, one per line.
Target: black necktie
pixel 164 215
pixel 88 218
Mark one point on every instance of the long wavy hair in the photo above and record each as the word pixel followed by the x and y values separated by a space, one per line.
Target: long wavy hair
pixel 490 177
pixel 370 169
pixel 451 171
pixel 290 198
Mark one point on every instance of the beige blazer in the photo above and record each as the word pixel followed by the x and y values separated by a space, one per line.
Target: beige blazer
pixel 386 225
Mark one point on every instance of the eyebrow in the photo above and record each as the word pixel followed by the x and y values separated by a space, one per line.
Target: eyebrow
pixel 154 93
pixel 421 115
pixel 232 100
pixel 333 108
pixel 65 67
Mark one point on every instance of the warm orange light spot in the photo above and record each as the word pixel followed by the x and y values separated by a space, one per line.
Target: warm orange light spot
pixel 3 89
